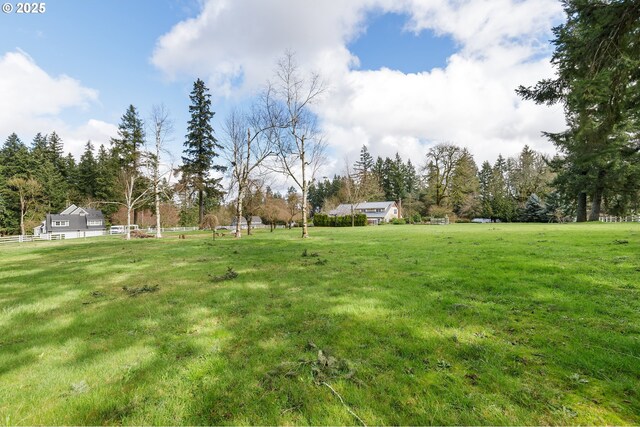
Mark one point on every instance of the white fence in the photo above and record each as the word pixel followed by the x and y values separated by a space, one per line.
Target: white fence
pixel 171 229
pixel 26 239
pixel 439 221
pixel 628 218
pixel 80 235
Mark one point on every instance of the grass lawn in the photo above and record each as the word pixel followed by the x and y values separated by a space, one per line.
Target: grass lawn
pixel 459 324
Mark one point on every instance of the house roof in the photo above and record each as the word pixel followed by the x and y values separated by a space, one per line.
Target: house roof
pixel 69 209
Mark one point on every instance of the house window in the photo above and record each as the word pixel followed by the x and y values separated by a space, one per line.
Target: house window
pixel 59 223
pixel 92 222
pixel 395 211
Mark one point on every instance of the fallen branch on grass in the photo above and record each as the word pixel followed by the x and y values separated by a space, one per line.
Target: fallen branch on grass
pixel 345 405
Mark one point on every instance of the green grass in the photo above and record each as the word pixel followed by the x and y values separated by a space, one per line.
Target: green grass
pixel 460 324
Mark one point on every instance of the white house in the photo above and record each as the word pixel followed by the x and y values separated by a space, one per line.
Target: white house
pixel 376 212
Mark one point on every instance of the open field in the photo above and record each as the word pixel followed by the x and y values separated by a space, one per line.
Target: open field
pixel 460 324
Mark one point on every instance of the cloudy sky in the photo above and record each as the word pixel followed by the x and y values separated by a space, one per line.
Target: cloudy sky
pixel 402 75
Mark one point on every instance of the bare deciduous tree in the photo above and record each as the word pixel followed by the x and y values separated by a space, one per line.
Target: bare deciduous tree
pixel 127 179
pixel 162 128
pixel 246 146
pixel 298 143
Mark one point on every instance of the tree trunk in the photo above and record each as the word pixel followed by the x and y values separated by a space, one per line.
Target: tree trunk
pixel 135 215
pixel 581 209
pixel 305 230
pixel 249 226
pixel 200 207
pixel 128 231
pixel 158 232
pixel 238 232
pixel 23 210
pixel 353 217
pixel 596 203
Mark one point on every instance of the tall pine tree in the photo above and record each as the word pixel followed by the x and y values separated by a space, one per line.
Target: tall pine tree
pixel 597 57
pixel 128 149
pixel 200 148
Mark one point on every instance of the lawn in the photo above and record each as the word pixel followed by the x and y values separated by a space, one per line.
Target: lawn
pixel 458 324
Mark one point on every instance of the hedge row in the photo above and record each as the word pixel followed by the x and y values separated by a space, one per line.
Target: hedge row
pixel 324 220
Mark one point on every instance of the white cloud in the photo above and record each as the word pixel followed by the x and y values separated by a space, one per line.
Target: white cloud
pixel 470 102
pixel 32 102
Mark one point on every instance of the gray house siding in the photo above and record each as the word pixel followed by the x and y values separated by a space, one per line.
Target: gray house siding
pixel 73 219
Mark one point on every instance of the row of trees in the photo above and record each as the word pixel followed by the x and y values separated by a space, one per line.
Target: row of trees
pixel 449 182
pixel 597 59
pixel 281 135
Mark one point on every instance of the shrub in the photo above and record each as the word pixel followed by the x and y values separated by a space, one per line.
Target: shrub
pixel 324 220
pixel 398 221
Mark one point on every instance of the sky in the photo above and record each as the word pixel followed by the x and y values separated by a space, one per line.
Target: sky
pixel 402 75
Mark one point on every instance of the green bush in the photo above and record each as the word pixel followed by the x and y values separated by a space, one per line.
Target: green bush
pixel 324 220
pixel 398 221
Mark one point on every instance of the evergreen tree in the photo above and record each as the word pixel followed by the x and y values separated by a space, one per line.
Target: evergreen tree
pixel 534 210
pixel 107 166
pixel 485 180
pixel 398 179
pixel 364 166
pixel 597 56
pixel 128 149
pixel 55 149
pixel 3 202
pixel 87 182
pixel 40 149
pixel 379 172
pixel 502 202
pixel 15 157
pixel 556 208
pixel 55 186
pixel 200 148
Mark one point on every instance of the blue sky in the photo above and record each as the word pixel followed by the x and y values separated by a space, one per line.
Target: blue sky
pixel 403 74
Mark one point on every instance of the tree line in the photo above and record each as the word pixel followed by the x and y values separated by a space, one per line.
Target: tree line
pixel 597 61
pixel 449 183
pixel 126 178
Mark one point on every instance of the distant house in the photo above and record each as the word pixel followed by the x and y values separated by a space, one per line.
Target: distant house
pixel 256 222
pixel 73 222
pixel 376 212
